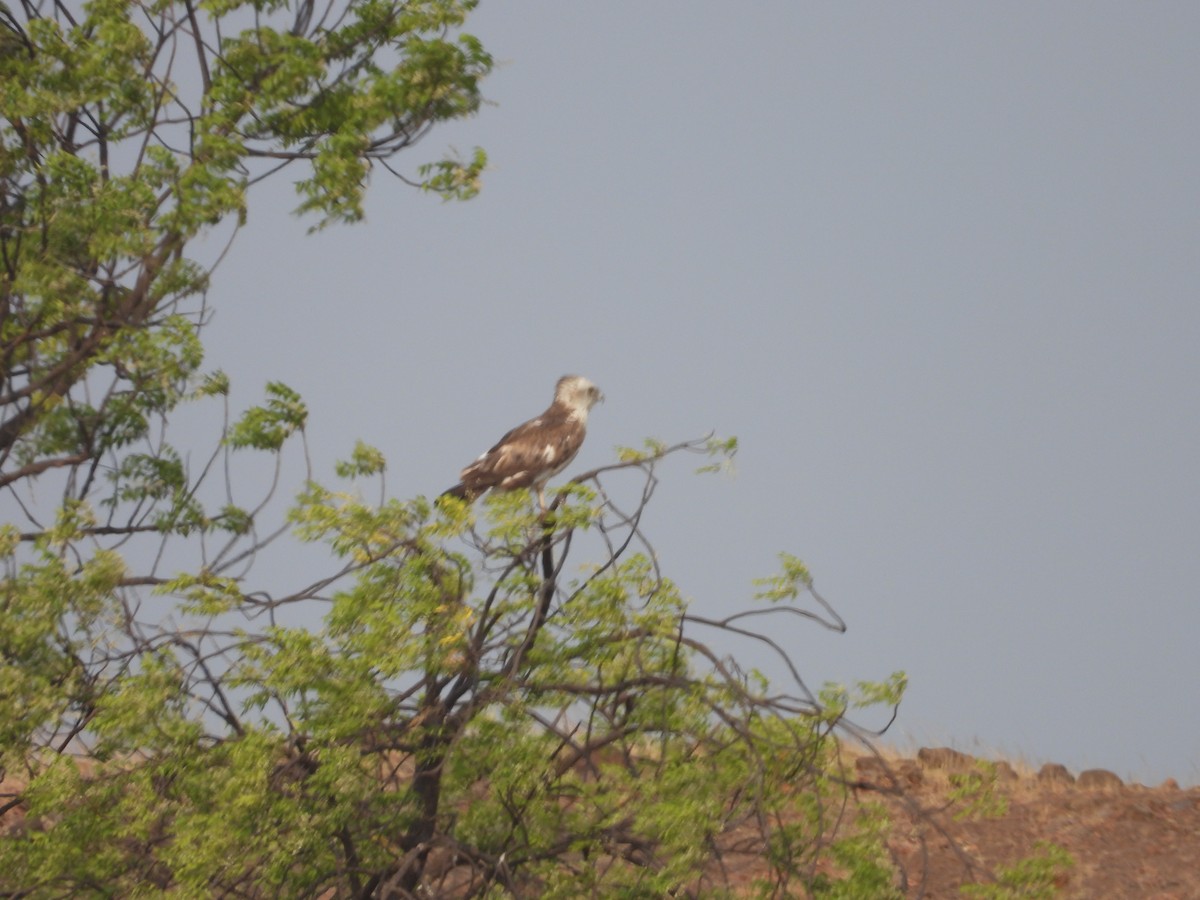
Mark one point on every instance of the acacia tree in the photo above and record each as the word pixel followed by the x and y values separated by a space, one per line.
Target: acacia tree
pixel 506 704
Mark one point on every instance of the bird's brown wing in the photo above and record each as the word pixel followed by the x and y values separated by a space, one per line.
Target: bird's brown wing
pixel 529 454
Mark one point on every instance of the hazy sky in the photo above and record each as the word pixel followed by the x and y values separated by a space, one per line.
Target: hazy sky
pixel 937 265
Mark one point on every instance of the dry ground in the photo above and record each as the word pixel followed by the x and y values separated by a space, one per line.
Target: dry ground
pixel 1127 841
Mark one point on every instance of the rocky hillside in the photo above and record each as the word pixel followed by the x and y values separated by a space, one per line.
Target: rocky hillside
pixel 1124 840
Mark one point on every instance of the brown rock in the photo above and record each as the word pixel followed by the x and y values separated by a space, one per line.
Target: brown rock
pixel 873 771
pixel 1055 773
pixel 869 768
pixel 1130 842
pixel 1099 779
pixel 945 758
pixel 1005 771
pixel 909 772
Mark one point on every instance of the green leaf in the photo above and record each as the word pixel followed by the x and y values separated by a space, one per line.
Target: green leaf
pixel 363 462
pixel 725 449
pixel 267 427
pixel 1037 876
pixel 212 385
pixel 204 593
pixel 788 585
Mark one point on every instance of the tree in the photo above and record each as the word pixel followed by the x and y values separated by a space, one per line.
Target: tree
pixel 470 721
pixel 131 128
pixel 501 703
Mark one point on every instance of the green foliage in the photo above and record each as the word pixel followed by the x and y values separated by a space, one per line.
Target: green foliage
pixel 131 128
pixel 459 694
pixel 204 593
pixel 454 179
pixel 862 861
pixel 364 462
pixel 268 427
pixel 837 699
pixel 788 585
pixel 723 449
pixel 1036 876
pixel 513 698
pixel 978 792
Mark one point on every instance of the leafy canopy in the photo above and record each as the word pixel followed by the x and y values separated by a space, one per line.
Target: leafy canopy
pixel 131 128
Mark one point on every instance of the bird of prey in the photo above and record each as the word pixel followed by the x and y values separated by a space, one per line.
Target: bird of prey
pixel 534 452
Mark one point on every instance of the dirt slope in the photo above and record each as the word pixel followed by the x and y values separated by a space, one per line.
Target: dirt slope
pixel 1127 841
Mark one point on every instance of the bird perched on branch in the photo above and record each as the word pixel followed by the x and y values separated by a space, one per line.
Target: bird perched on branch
pixel 534 452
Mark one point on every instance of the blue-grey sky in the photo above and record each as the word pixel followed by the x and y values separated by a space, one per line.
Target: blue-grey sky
pixel 936 265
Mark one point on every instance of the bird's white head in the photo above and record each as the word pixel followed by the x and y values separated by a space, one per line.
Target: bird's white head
pixel 578 394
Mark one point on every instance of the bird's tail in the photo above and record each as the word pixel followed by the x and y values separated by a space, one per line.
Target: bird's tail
pixel 461 492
